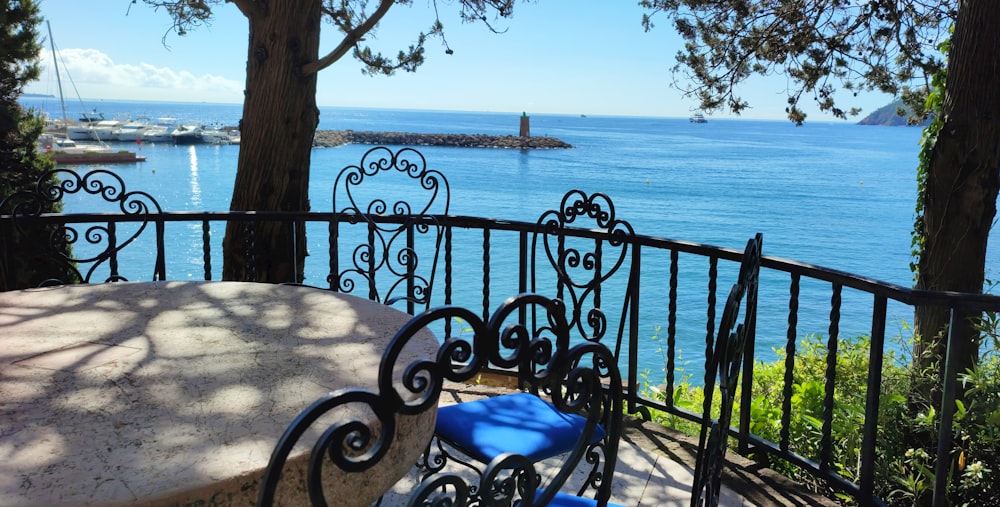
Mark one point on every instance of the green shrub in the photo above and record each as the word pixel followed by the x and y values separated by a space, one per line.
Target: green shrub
pixel 903 472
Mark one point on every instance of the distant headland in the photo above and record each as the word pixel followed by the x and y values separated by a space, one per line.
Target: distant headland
pixel 889 115
pixel 331 138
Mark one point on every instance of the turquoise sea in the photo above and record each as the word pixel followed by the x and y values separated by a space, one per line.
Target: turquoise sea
pixel 833 194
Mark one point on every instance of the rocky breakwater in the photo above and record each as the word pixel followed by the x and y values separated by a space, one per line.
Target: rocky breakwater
pixel 330 138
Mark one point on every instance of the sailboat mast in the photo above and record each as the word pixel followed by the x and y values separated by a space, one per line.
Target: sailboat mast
pixel 55 58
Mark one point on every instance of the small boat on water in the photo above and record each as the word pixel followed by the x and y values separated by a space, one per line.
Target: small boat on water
pixel 220 135
pixel 160 132
pixel 187 134
pixel 103 130
pixel 66 151
pixel 698 118
pixel 78 131
pixel 130 131
pixel 157 134
pixel 215 136
pixel 95 155
pixel 87 117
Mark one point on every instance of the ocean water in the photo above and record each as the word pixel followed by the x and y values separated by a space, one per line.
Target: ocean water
pixel 832 194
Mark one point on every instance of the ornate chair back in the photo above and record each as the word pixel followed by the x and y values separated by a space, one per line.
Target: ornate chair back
pixel 38 250
pixel 724 367
pixel 386 239
pixel 592 274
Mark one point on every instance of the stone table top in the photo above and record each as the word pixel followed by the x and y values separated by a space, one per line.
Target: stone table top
pixel 175 393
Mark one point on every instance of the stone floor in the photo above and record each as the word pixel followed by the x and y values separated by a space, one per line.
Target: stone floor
pixel 655 467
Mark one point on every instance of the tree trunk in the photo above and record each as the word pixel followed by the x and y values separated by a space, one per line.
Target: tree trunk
pixel 279 120
pixel 962 181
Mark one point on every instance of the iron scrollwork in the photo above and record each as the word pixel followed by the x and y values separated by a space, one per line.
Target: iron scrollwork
pixel 66 245
pixel 582 379
pixel 582 266
pixel 386 261
pixel 355 444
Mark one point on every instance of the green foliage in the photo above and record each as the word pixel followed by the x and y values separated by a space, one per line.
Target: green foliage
pixel 904 473
pixel 20 163
pixel 933 104
pixel 862 46
pixel 807 403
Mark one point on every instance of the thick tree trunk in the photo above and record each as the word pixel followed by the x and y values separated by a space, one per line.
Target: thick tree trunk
pixel 962 181
pixel 279 120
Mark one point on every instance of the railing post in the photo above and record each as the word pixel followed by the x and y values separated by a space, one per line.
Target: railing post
pixel 410 266
pixel 112 252
pixel 161 252
pixel 295 252
pixel 206 248
pixel 372 291
pixel 333 229
pixel 788 379
pixel 872 395
pixel 943 460
pixel 633 291
pixel 486 273
pixel 671 329
pixel 826 438
pixel 523 273
pixel 447 265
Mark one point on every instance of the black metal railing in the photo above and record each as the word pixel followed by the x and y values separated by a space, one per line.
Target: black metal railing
pixel 486 260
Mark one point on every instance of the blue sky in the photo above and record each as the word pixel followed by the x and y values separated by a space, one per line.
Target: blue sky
pixel 557 56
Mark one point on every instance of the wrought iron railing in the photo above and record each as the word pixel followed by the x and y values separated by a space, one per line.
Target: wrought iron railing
pixel 486 260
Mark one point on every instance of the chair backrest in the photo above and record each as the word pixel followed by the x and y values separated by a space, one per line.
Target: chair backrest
pixel 56 252
pixel 724 367
pixel 386 241
pixel 580 268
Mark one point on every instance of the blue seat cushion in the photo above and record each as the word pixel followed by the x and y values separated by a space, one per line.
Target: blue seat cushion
pixel 519 423
pixel 567 500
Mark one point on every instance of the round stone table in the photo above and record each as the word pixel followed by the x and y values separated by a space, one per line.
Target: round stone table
pixel 175 393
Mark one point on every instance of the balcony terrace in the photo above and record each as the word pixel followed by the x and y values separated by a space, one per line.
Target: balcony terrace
pixel 663 284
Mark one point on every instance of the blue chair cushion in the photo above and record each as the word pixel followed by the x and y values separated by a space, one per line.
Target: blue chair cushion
pixel 519 423
pixel 567 500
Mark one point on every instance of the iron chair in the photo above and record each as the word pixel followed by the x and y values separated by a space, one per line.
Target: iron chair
pixel 57 253
pixel 548 419
pixel 512 479
pixel 580 382
pixel 384 261
pixel 724 366
pixel 578 269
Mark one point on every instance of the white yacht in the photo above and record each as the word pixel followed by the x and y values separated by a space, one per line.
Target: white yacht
pixel 187 134
pixel 160 132
pixel 220 135
pixel 157 134
pixel 103 130
pixel 130 132
pixel 78 132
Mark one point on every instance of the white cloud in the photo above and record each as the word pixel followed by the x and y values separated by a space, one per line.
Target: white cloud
pixel 94 74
